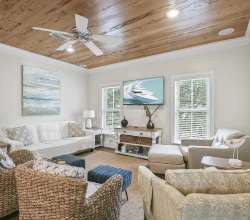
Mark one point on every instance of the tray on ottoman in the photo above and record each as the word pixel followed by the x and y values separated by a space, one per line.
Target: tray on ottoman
pixel 71 160
pixel 102 173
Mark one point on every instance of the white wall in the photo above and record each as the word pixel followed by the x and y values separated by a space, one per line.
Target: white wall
pixel 232 87
pixel 74 89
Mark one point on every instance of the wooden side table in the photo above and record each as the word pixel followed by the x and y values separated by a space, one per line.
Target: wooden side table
pixel 222 163
pixel 5 147
pixel 98 136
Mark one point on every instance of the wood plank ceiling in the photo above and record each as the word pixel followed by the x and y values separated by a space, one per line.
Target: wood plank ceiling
pixel 142 24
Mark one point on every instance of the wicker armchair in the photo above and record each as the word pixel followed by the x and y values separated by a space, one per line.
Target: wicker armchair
pixel 8 192
pixel 49 197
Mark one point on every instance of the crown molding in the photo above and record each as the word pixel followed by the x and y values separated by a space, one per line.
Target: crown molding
pixel 221 45
pixel 13 51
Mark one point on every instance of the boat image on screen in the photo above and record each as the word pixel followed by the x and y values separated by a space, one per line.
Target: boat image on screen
pixel 144 91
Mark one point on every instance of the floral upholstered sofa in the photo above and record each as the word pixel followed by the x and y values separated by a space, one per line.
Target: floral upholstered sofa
pixel 207 194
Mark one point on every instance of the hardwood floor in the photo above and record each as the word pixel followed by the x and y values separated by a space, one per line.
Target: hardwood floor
pixel 131 209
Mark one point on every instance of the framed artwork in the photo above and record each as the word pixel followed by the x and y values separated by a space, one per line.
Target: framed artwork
pixel 41 91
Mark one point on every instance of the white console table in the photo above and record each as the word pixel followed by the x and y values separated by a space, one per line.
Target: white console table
pixel 140 134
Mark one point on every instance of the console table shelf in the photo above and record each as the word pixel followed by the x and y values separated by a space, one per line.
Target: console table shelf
pixel 136 141
pixel 132 155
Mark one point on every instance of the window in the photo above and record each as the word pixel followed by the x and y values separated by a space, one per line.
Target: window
pixel 111 107
pixel 192 106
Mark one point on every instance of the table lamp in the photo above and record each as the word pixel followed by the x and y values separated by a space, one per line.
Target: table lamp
pixel 88 114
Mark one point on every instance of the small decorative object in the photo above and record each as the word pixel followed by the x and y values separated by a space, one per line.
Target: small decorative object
pixel 235 145
pixel 88 114
pixel 124 122
pixel 150 124
pixel 123 149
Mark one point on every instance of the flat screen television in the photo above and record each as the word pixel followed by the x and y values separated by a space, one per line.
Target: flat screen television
pixel 148 91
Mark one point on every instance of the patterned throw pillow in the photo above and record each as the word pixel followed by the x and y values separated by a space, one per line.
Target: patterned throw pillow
pixel 20 134
pixel 59 170
pixel 5 160
pixel 76 130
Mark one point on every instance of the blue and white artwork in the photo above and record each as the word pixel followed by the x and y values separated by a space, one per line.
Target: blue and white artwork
pixel 41 91
pixel 144 92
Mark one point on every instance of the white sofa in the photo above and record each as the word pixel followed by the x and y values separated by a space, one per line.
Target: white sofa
pixel 51 139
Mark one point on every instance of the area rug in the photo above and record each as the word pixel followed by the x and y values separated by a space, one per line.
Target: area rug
pixel 133 208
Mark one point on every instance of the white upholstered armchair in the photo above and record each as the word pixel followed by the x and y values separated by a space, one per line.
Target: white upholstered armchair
pixel 194 150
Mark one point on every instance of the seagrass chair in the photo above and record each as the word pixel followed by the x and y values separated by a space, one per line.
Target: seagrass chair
pixel 50 197
pixel 8 191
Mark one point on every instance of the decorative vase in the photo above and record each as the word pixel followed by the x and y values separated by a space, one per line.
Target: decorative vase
pixel 124 122
pixel 150 124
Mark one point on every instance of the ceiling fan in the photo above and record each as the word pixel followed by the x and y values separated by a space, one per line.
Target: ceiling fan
pixel 80 33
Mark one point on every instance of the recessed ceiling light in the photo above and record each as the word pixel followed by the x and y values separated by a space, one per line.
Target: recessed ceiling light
pixel 70 49
pixel 226 31
pixel 172 13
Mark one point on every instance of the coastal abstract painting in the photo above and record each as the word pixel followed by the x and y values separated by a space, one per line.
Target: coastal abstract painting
pixel 144 92
pixel 41 91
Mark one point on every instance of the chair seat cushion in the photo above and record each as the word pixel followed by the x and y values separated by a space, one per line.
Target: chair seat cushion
pixel 169 154
pixel 102 173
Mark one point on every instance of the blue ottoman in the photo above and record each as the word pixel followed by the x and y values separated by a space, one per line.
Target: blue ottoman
pixel 103 172
pixel 72 160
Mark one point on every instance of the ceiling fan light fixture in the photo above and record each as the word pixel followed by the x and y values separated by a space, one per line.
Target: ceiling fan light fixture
pixel 172 13
pixel 226 31
pixel 70 49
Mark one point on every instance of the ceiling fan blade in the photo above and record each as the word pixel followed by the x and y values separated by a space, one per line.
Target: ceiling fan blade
pixel 81 23
pixel 93 48
pixel 107 38
pixel 66 45
pixel 52 31
pixel 59 36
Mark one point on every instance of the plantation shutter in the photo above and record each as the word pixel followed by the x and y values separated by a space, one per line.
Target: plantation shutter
pixel 110 108
pixel 192 109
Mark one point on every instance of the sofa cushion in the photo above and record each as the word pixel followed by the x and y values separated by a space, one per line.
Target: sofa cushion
pixel 64 128
pixel 48 131
pixel 184 151
pixel 20 134
pixel 56 169
pixel 61 146
pixel 33 132
pixel 209 181
pixel 169 154
pixel 225 134
pixel 76 130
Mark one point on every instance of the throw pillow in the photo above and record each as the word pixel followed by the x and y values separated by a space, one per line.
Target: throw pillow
pixel 5 160
pixel 76 130
pixel 56 169
pixel 92 188
pixel 20 134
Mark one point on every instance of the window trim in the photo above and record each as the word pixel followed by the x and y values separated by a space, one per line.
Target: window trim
pixel 187 76
pixel 101 102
